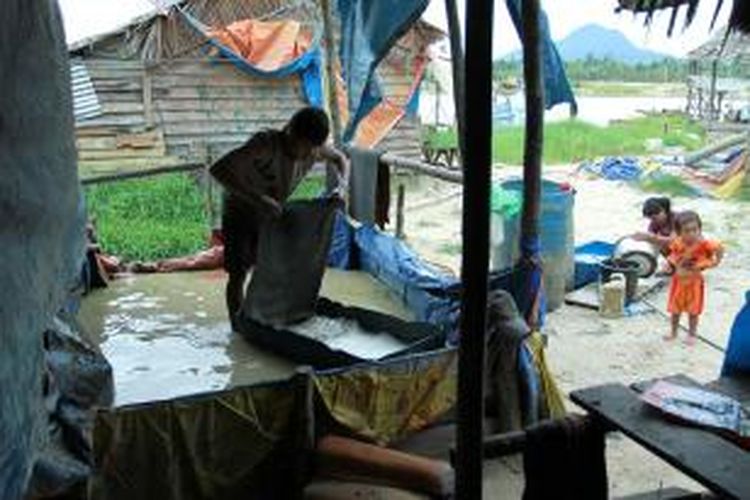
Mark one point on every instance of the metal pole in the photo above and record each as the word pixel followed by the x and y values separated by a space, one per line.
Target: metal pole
pixel 476 231
pixel 533 145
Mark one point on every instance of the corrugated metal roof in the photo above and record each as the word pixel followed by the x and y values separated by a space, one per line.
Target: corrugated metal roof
pixel 85 101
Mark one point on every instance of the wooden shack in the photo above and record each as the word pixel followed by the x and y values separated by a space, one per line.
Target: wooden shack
pixel 709 94
pixel 160 99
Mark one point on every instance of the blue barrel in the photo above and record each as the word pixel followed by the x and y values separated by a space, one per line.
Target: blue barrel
pixel 557 239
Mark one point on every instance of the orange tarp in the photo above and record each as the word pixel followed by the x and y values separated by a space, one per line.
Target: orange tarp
pixel 268 45
pixel 380 121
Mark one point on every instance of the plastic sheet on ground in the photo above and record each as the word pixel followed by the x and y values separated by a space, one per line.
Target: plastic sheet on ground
pixel 615 168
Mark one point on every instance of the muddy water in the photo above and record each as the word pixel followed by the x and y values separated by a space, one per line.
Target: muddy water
pixel 167 335
pixel 358 288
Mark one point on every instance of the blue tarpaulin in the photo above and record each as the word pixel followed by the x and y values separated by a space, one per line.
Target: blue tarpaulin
pixel 423 289
pixel 557 89
pixel 368 31
pixel 340 253
pixel 308 65
pixel 615 168
pixel 737 357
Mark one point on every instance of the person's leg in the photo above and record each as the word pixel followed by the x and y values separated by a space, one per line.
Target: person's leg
pixel 234 295
pixel 675 324
pixel 693 329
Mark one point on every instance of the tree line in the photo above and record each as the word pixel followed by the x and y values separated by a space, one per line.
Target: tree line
pixel 606 69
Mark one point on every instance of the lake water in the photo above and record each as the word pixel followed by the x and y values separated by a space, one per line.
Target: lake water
pixel 596 110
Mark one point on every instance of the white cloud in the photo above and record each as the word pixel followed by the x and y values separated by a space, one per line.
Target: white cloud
pixel 84 18
pixel 567 15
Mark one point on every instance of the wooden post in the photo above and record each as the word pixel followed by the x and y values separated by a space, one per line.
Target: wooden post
pixel 477 160
pixel 400 213
pixel 303 446
pixel 534 142
pixel 458 65
pixel 333 102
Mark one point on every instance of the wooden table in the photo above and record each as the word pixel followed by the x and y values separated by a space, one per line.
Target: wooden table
pixel 711 460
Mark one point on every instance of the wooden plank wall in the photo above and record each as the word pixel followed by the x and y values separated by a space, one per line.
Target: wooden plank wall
pixel 195 110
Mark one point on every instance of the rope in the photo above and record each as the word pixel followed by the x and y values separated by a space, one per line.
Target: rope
pixel 703 339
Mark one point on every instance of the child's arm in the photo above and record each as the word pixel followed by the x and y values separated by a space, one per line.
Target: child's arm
pixel 340 162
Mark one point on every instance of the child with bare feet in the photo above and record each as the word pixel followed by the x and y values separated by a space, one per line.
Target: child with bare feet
pixel 689 255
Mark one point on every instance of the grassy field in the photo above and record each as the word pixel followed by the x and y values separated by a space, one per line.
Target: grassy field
pixel 574 141
pixel 164 216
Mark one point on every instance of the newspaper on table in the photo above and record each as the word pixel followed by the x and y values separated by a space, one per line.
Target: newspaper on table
pixel 698 406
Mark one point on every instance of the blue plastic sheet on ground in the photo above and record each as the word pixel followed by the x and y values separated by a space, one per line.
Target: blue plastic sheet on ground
pixel 423 289
pixel 615 168
pixel 557 89
pixel 308 65
pixel 368 31
pixel 587 258
pixel 737 356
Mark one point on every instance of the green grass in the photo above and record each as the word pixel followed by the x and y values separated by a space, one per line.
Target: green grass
pixel 159 217
pixel 310 187
pixel 450 248
pixel 149 219
pixel 667 184
pixel 574 141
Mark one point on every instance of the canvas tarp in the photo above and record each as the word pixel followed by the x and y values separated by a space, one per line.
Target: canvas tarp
pixel 42 230
pixel 211 446
pixel 267 49
pixel 368 31
pixel 391 400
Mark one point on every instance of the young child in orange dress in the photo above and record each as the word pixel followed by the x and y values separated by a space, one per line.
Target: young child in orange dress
pixel 689 255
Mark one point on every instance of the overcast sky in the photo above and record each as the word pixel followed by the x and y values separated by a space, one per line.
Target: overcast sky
pixel 84 18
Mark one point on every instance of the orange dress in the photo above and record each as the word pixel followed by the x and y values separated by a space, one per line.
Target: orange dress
pixel 687 289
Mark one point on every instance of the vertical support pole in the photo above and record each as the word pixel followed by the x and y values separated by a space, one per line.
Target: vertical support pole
pixel 148 101
pixel 303 428
pixel 400 213
pixel 458 65
pixel 333 102
pixel 208 182
pixel 534 141
pixel 476 145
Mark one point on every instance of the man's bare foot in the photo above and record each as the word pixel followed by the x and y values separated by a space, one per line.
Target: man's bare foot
pixel 669 337
pixel 690 340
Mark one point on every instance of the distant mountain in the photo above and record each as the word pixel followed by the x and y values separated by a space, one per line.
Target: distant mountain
pixel 600 42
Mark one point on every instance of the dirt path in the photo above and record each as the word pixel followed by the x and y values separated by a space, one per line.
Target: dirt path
pixel 585 349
